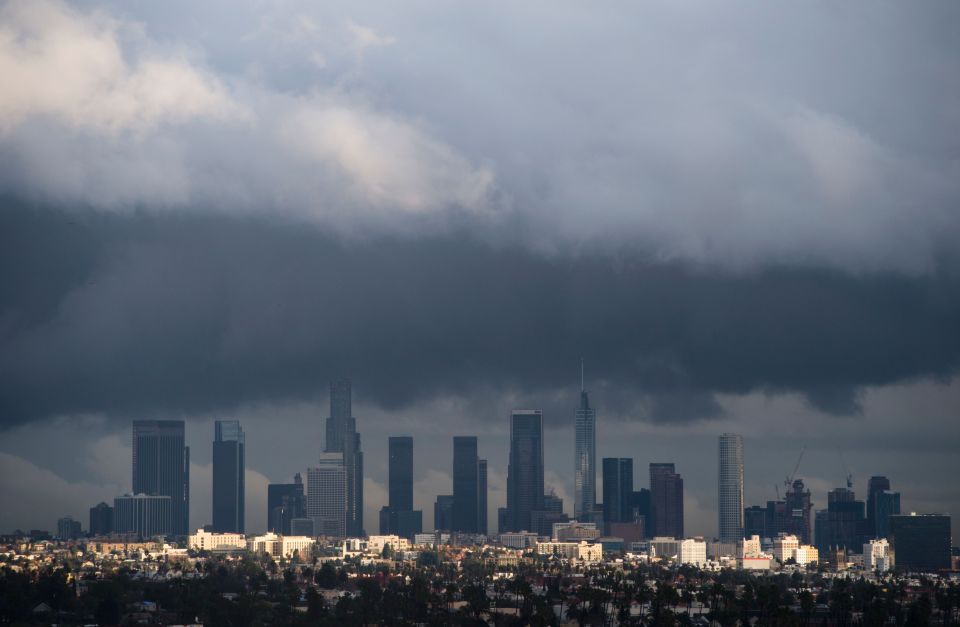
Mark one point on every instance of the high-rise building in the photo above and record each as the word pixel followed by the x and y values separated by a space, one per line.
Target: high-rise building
pixel 585 456
pixel 68 528
pixel 143 515
pixel 797 510
pixel 482 497
pixel 399 517
pixel 228 477
pixel 730 488
pixel 443 513
pixel 755 522
pixel 875 485
pixel 161 467
pixel 640 503
pixel 342 437
pixel 666 495
pixel 842 524
pixel 327 496
pixel 101 520
pixel 525 469
pixel 617 491
pixel 885 505
pixel 285 501
pixel 466 483
pixel 921 543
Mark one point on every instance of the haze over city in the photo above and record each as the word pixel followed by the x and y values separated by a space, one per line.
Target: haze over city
pixel 742 219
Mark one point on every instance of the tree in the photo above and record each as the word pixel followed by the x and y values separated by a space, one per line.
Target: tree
pixel 326 577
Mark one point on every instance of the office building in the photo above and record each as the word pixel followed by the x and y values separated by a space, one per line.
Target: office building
pixel 68 528
pixel 398 516
pixel 443 513
pixel 920 542
pixel 342 437
pixel 640 503
pixel 144 515
pixel 101 520
pixel 754 522
pixel 585 456
pixel 842 524
pixel 617 491
pixel 161 467
pixel 666 495
pixel 466 482
pixel 228 477
pixel 525 468
pixel 875 485
pixel 885 505
pixel 285 501
pixel 327 496
pixel 482 513
pixel 797 511
pixel 730 488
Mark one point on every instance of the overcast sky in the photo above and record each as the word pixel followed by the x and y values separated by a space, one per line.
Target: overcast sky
pixel 744 218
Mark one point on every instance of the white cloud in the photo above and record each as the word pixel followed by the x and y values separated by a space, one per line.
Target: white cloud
pixel 70 66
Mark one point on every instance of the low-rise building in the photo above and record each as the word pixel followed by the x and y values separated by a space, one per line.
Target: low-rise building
pixel 279 546
pixel 518 540
pixel 207 541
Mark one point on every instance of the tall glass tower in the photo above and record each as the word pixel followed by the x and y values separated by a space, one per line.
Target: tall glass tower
pixel 730 488
pixel 161 467
pixel 525 470
pixel 342 437
pixel 585 456
pixel 228 470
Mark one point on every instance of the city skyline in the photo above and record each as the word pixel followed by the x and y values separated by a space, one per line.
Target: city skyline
pixel 231 205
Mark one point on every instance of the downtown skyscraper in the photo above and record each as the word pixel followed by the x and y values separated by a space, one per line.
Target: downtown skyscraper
pixel 466 485
pixel 617 490
pixel 342 437
pixel 398 516
pixel 666 496
pixel 525 469
pixel 228 471
pixel 585 456
pixel 730 488
pixel 161 467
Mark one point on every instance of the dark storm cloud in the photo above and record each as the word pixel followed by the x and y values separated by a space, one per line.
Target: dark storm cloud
pixel 144 314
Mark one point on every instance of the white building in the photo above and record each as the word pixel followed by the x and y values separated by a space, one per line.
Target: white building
pixel 327 496
pixel 877 555
pixel 280 546
pixel 572 550
pixel 693 551
pixel 750 547
pixel 206 541
pixel 806 554
pixel 431 538
pixel 376 543
pixel 518 540
pixel 573 531
pixel 756 562
pixel 784 546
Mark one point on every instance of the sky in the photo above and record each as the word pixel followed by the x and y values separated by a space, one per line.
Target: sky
pixel 743 218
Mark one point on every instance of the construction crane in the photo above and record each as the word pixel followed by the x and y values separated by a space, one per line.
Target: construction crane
pixel 789 480
pixel 846 471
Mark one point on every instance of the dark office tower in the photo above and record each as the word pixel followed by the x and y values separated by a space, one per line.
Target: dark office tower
pixel 161 467
pixel 68 528
pixel 101 520
pixel 921 543
pixel 880 507
pixel 482 497
pixel 755 522
pixel 617 491
pixel 525 469
pixel 798 508
pixel 228 474
pixel 666 496
pixel 399 517
pixel 730 488
pixel 585 456
pixel 342 437
pixel 640 504
pixel 400 495
pixel 443 512
pixel 466 481
pixel 842 524
pixel 285 501
pixel 885 505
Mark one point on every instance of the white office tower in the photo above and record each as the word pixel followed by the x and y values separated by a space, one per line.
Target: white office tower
pixel 327 496
pixel 585 457
pixel 877 556
pixel 730 488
